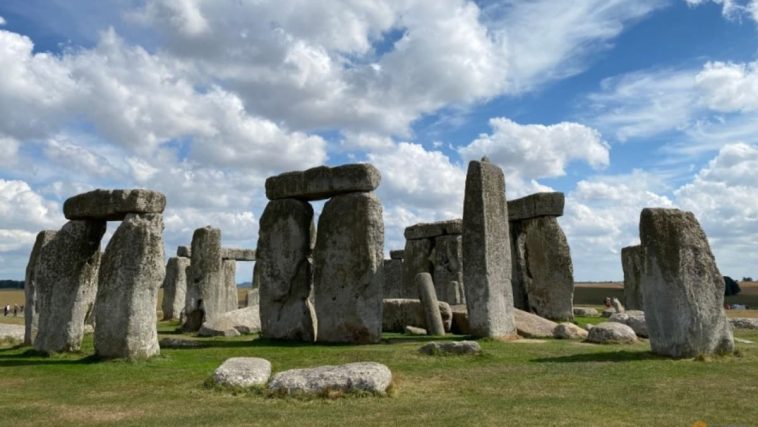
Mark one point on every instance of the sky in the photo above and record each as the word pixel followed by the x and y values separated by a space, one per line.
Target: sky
pixel 619 104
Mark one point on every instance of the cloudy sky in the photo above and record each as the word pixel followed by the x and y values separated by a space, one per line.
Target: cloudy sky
pixel 620 104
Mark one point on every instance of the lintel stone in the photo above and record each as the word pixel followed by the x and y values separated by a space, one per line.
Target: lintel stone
pixel 536 205
pixel 428 230
pixel 113 205
pixel 323 182
pixel 238 254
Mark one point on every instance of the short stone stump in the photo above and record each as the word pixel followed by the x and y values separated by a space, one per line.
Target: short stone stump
pixel 243 372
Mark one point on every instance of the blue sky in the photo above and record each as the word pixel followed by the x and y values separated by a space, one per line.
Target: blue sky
pixel 620 105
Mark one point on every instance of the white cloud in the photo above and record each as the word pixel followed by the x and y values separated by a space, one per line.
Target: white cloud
pixel 733 9
pixel 728 87
pixel 2 21
pixel 23 208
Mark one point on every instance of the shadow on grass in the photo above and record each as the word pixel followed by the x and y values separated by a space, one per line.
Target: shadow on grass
pixel 35 358
pixel 614 356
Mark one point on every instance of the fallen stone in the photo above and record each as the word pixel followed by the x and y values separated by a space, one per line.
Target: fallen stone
pixel 611 333
pixel 323 182
pixel 238 254
pixel 451 348
pixel 400 312
pixel 175 287
pixel 184 251
pixel 113 205
pixel 529 325
pixel 361 377
pixel 429 304
pixel 536 205
pixel 744 323
pixel 682 289
pixel 586 312
pixel 243 372
pixel 448 269
pixel 569 331
pixel 31 315
pixel 631 261
pixel 412 330
pixel 237 322
pixel 428 230
pixel 635 319
pixel 397 254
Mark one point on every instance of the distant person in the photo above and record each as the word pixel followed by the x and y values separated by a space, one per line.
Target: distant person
pixel 15 310
pixel 6 309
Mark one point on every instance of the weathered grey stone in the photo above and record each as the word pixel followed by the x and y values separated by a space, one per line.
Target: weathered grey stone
pixel 617 306
pixel 393 279
pixel 11 332
pixel 284 271
pixel 569 331
pixel 487 253
pixel 535 206
pixel 546 268
pixel 429 230
pixel 131 273
pixel 459 320
pixel 184 251
pixel 412 330
pixel 175 287
pixel 530 325
pixel 586 312
pixel 368 377
pixel 323 182
pixel 611 333
pixel 113 205
pixel 397 254
pixel 179 343
pixel 66 278
pixel 349 277
pixel 429 304
pixel 744 323
pixel 631 261
pixel 608 312
pixel 238 254
pixel 682 289
pixel 236 322
pixel 400 312
pixel 243 372
pixel 519 269
pixel 635 319
pixel 207 295
pixel 418 259
pixel 230 284
pixel 448 269
pixel 31 315
pixel 450 348
pixel 253 298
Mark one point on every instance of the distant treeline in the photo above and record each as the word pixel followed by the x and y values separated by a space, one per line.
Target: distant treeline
pixel 11 284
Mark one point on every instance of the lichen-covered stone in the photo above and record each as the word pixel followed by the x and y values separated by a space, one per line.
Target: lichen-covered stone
pixel 744 323
pixel 635 319
pixel 393 279
pixel 568 330
pixel 370 377
pixel 238 254
pixel 113 205
pixel 418 259
pixel 243 372
pixel 206 293
pixel 175 287
pixel 230 284
pixel 429 304
pixel 535 206
pixel 586 312
pixel 450 348
pixel 611 333
pixel 530 325
pixel 323 182
pixel 236 322
pixel 631 262
pixel 448 269
pixel 429 230
pixel 31 315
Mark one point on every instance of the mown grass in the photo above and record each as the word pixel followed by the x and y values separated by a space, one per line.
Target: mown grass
pixel 511 383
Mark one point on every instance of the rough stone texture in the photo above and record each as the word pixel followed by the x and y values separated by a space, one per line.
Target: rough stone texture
pixel 230 284
pixel 418 259
pixel 31 315
pixel 131 273
pixel 348 276
pixel 393 279
pixel 448 269
pixel 487 253
pixel 429 304
pixel 547 271
pixel 635 319
pixel 428 230
pixel 184 251
pixel 611 333
pixel 238 254
pixel 608 312
pixel 459 320
pixel 397 254
pixel 518 265
pixel 586 312
pixel 682 289
pixel 236 322
pixel 397 313
pixel 284 271
pixel 175 287
pixel 66 278
pixel 323 182
pixel 113 205
pixel 253 298
pixel 206 293
pixel 368 377
pixel 536 205
pixel 530 325
pixel 631 262
pixel 412 330
pixel 11 332
pixel 243 372
pixel 451 348
pixel 569 331
pixel 744 323
pixel 617 306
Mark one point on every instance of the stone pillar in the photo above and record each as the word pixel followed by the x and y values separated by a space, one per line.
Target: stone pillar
pixel 31 314
pixel 393 278
pixel 429 302
pixel 631 262
pixel 448 268
pixel 682 288
pixel 66 278
pixel 175 287
pixel 417 259
pixel 487 253
pixel 518 266
pixel 230 285
pixel 131 273
pixel 348 269
pixel 283 272
pixel 205 287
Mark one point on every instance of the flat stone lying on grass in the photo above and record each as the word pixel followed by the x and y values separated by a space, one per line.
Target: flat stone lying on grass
pixel 11 332
pixel 323 182
pixel 179 343
pixel 568 330
pixel 744 323
pixel 412 330
pixel 231 324
pixel 367 377
pixel 529 325
pixel 243 372
pixel 611 333
pixel 586 312
pixel 113 205
pixel 635 319
pixel 451 347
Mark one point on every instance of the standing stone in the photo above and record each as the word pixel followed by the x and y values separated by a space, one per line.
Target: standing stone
pixel 253 298
pixel 448 268
pixel 429 302
pixel 393 278
pixel 418 259
pixel 348 269
pixel 131 273
pixel 175 287
pixel 284 272
pixel 682 288
pixel 518 266
pixel 230 285
pixel 487 252
pixel 631 261
pixel 66 278
pixel 184 251
pixel 31 315
pixel 205 287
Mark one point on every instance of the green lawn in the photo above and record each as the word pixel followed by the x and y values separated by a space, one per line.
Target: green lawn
pixel 514 383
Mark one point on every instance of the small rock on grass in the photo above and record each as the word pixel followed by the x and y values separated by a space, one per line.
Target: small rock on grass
pixel 412 330
pixel 243 372
pixel 568 330
pixel 451 347
pixel 612 333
